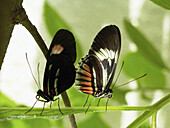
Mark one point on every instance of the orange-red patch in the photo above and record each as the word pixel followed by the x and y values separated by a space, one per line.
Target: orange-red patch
pixel 89 92
pixel 85 78
pixel 86 83
pixel 86 67
pixel 87 88
pixel 86 73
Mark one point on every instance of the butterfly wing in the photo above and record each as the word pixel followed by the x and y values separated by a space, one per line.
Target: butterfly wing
pixel 60 72
pixel 101 60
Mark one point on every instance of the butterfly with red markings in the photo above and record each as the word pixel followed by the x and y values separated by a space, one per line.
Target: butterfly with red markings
pixel 96 70
pixel 59 72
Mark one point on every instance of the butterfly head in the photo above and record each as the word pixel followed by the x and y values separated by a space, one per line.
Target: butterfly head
pixel 110 93
pixel 41 94
pixel 104 94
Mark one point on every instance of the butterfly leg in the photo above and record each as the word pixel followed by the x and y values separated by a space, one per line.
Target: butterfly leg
pixel 98 102
pixel 86 101
pixel 31 107
pixel 42 109
pixel 59 106
pixel 89 105
pixel 50 104
pixel 107 103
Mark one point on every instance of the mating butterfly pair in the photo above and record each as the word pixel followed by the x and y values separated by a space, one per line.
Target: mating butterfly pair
pixel 96 70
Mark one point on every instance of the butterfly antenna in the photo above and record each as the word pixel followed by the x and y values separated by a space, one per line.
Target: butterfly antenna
pixel 89 105
pixel 31 107
pixel 131 80
pixel 86 101
pixel 38 74
pixel 31 71
pixel 118 75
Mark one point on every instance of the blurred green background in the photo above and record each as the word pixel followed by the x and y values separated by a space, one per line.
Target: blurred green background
pixel 145 32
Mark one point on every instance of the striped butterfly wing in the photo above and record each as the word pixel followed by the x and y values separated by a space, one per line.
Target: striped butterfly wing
pixel 60 72
pixel 101 62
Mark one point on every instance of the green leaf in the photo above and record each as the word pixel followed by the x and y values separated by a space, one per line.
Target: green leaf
pixel 136 65
pixel 163 3
pixel 35 123
pixel 54 22
pixel 6 124
pixel 5 101
pixel 119 96
pixel 144 46
pixel 94 121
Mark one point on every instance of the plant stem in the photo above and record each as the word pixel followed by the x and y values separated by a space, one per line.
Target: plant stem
pixel 154 120
pixel 33 30
pixel 147 114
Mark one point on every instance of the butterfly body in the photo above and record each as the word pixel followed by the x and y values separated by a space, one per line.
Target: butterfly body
pixel 96 70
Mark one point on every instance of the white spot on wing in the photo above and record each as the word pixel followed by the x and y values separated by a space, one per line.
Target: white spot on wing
pixel 56 79
pixel 116 57
pixel 56 49
pixel 105 54
pixel 50 66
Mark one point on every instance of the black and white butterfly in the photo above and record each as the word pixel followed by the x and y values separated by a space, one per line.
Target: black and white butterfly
pixel 59 72
pixel 96 70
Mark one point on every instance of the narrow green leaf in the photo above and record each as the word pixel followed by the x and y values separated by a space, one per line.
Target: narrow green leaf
pixel 163 3
pixel 54 22
pixel 145 47
pixel 5 101
pixel 136 65
pixel 120 96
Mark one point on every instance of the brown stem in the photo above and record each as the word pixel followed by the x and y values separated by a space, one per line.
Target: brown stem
pixel 6 24
pixel 67 104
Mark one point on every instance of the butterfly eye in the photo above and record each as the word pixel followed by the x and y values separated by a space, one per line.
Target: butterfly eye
pixel 37 97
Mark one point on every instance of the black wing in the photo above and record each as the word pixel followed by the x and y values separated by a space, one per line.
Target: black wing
pixel 60 72
pixel 101 61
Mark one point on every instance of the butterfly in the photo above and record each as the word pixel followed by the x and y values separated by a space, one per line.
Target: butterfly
pixel 96 70
pixel 60 71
